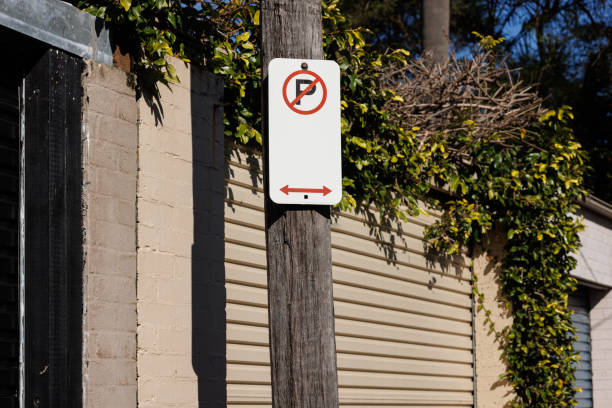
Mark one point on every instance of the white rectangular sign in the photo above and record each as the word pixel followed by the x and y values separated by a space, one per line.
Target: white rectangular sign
pixel 304 145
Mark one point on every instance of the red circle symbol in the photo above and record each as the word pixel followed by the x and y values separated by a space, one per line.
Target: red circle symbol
pixel 291 104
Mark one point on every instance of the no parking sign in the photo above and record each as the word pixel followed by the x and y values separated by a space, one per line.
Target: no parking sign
pixel 304 145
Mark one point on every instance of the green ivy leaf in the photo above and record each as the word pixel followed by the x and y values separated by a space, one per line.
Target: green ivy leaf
pixel 243 37
pixel 126 4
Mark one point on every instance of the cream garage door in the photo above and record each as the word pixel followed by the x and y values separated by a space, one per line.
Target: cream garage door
pixel 403 326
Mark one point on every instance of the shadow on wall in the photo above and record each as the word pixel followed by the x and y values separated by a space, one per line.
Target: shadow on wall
pixel 208 250
pixel 388 233
pixel 248 158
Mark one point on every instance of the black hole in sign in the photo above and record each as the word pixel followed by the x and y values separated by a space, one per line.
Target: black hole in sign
pixel 306 196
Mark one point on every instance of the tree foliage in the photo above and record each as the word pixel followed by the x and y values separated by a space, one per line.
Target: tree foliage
pixel 524 177
pixel 148 30
pixel 393 23
pixel 564 47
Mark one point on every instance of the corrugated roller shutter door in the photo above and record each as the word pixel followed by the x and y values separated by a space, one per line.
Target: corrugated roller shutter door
pixel 579 303
pixel 403 329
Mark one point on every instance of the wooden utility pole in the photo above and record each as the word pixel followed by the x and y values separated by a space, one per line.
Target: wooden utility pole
pixel 436 22
pixel 300 303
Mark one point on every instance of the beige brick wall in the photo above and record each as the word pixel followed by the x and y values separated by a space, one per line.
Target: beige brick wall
pixel 601 346
pixel 109 193
pixel 595 256
pixel 490 391
pixel 180 213
pixel 595 266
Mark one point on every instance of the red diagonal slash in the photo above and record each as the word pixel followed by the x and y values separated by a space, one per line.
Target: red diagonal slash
pixel 325 191
pixel 308 88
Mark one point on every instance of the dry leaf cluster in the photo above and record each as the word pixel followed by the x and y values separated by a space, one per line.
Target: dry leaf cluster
pixel 479 95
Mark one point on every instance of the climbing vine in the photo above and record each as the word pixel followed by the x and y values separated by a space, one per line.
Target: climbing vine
pixel 532 194
pixel 522 175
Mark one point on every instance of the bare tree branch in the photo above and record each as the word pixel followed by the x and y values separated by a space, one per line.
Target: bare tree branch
pixel 480 96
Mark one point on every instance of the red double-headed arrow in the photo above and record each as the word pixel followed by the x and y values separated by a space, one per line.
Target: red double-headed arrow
pixel 325 191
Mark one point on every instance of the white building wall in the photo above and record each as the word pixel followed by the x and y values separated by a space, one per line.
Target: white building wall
pixel 595 269
pixel 595 256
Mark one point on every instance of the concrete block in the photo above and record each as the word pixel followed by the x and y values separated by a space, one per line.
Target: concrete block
pixel 148 186
pixel 182 146
pixel 183 195
pixel 155 264
pixel 175 341
pixel 174 292
pixel 147 293
pixel 109 146
pixel 154 214
pixel 182 220
pixel 111 396
pixel 154 164
pixel 164 140
pixel 177 390
pixel 111 103
pixel 165 239
pixel 177 243
pixel 148 237
pixel 126 213
pixel 127 162
pixel 113 130
pixel 182 115
pixel 126 109
pixel 150 137
pixel 601 349
pixel 111 316
pixel 113 235
pixel 112 345
pixel 182 267
pixel 101 260
pixel 594 261
pixel 103 154
pixel 165 316
pixel 106 208
pixel 179 170
pixel 148 391
pixel 116 184
pixel 166 365
pixel 101 99
pixel 111 288
pixel 115 371
pixel 112 78
pixel 126 263
pixel 147 338
pixel 167 193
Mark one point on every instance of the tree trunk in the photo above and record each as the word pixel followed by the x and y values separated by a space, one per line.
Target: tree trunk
pixel 436 20
pixel 300 303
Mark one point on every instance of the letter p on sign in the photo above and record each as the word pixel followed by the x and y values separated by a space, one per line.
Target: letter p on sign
pixel 304 145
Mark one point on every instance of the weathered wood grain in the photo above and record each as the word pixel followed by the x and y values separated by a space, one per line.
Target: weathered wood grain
pixel 301 314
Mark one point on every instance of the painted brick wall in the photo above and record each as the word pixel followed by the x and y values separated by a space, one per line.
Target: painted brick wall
pixel 595 265
pixel 181 295
pixel 109 192
pixel 595 256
